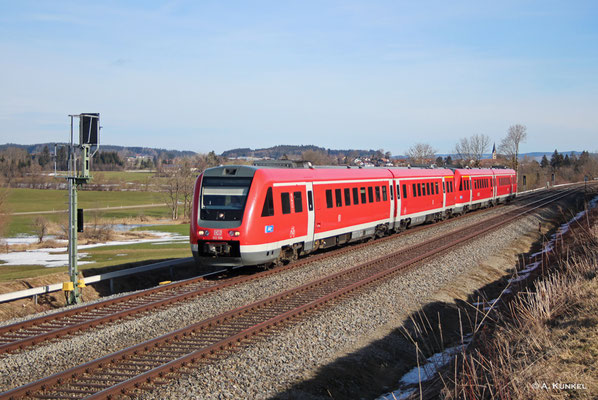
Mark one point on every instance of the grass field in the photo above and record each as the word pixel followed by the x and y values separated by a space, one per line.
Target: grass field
pixel 111 255
pixel 27 200
pixel 124 176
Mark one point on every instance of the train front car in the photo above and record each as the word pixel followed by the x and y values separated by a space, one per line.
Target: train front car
pixel 221 198
pixel 248 215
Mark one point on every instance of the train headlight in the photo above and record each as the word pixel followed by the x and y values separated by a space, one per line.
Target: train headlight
pixel 203 232
pixel 234 233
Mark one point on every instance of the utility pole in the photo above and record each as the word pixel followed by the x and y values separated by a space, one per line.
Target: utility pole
pixel 89 128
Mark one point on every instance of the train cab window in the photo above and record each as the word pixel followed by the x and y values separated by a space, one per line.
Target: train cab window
pixel 355 195
pixel 404 191
pixel 285 200
pixel 298 200
pixel 328 198
pixel 310 201
pixel 370 194
pixel 384 195
pixel 436 185
pixel 414 189
pixel 339 199
pixel 362 193
pixel 377 190
pixel 268 209
pixel 347 196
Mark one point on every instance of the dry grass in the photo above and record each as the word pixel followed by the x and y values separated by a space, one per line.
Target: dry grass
pixel 545 344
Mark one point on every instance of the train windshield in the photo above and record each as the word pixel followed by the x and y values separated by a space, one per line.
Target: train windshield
pixel 223 198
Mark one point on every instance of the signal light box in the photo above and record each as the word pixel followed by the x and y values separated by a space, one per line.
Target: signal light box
pixel 89 128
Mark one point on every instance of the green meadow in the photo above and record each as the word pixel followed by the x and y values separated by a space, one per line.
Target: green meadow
pixel 48 200
pixel 106 256
pixel 28 200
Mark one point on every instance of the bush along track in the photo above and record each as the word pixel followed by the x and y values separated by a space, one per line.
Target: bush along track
pixel 538 339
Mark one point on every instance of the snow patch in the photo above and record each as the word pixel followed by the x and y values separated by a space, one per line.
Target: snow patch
pixel 58 257
pixel 409 382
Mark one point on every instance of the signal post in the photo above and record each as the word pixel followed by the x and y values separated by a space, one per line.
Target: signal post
pixel 89 129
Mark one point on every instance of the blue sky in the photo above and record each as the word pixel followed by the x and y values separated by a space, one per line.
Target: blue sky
pixel 214 75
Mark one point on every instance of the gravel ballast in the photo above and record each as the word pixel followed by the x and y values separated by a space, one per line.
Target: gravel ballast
pixel 267 368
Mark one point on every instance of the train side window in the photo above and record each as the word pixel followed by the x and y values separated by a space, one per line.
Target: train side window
pixel 391 192
pixel 460 185
pixel 384 195
pixel 443 187
pixel 436 184
pixel 328 198
pixel 419 190
pixel 363 198
pixel 339 199
pixel 399 192
pixel 355 195
pixel 268 209
pixel 404 191
pixel 370 194
pixel 310 201
pixel 428 188
pixel 298 200
pixel 377 190
pixel 285 199
pixel 347 196
pixel 414 190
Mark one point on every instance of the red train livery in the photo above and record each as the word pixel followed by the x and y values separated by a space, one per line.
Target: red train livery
pixel 249 215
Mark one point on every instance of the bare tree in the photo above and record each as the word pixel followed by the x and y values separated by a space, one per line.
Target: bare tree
pixel 179 188
pixel 316 157
pixel 40 226
pixel 471 149
pixel 420 153
pixel 509 146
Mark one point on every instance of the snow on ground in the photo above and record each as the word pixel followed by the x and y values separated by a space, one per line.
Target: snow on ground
pixel 58 257
pixel 409 383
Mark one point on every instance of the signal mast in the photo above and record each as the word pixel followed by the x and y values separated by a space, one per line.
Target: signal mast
pixel 89 134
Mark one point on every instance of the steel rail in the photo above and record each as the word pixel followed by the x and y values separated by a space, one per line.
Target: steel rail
pixel 27 333
pixel 385 265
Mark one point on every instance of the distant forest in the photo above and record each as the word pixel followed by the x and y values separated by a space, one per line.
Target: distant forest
pixel 292 151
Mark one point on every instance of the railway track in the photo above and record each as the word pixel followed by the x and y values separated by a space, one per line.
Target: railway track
pixel 24 334
pixel 155 360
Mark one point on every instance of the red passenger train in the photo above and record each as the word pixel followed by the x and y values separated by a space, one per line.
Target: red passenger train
pixel 249 215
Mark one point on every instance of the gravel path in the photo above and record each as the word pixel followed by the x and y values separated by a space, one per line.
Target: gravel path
pixel 247 374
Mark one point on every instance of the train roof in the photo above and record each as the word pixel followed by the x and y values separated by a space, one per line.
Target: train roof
pixel 483 171
pixel 343 173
